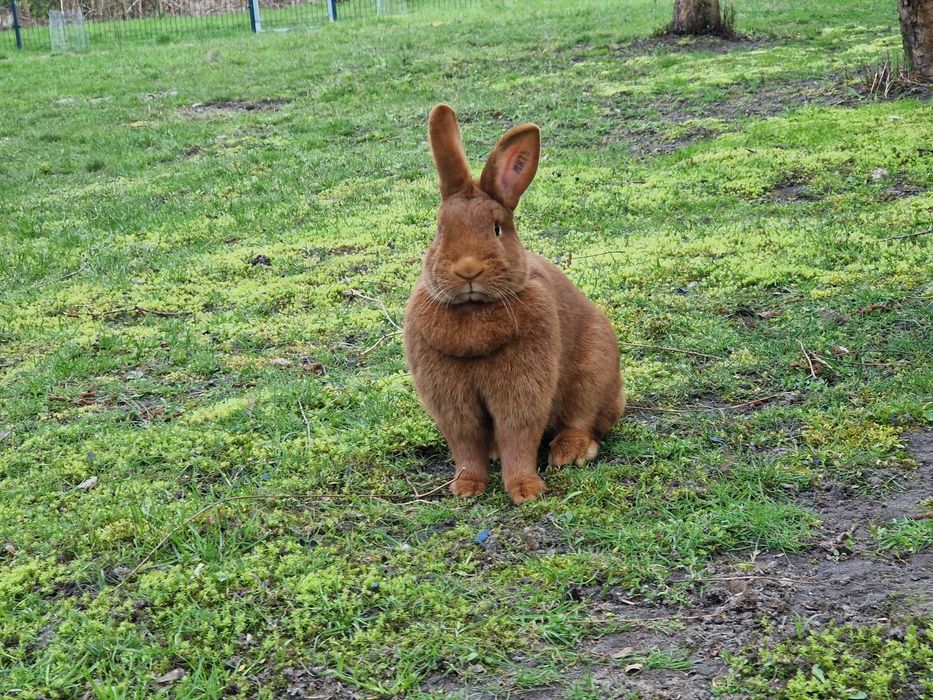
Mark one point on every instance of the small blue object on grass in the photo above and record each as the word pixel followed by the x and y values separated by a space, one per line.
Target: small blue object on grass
pixel 374 586
pixel 717 441
pixel 483 537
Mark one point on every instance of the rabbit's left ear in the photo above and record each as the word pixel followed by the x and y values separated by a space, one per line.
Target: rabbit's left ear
pixel 512 165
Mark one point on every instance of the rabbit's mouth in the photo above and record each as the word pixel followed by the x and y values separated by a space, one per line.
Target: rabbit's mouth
pixel 473 292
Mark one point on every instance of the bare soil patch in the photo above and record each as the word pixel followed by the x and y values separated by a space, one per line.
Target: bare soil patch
pixel 900 189
pixel 664 43
pixel 794 191
pixel 228 107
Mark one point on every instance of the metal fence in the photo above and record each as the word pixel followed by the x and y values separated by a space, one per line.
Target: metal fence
pixel 75 25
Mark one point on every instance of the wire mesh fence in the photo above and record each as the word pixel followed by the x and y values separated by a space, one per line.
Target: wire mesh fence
pixel 75 25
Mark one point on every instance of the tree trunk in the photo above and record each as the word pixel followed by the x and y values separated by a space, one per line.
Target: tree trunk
pixel 702 16
pixel 917 32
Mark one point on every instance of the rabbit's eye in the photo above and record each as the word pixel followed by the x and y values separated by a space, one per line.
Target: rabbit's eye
pixel 497 229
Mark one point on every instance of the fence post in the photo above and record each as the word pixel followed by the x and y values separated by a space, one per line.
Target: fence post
pixel 332 10
pixel 255 21
pixel 19 34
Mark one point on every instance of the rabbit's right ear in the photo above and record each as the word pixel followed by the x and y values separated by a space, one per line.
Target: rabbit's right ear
pixel 447 150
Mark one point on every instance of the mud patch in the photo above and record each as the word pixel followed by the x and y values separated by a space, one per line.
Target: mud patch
pixel 668 43
pixel 229 107
pixel 900 189
pixel 72 589
pixel 794 191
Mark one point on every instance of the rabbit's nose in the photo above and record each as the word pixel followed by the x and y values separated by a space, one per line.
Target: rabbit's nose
pixel 467 269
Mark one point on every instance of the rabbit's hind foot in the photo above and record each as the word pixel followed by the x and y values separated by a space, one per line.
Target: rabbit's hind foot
pixel 572 446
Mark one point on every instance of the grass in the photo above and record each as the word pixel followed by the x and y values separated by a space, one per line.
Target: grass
pixel 146 343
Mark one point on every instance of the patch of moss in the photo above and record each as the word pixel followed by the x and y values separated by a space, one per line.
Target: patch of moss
pixel 850 662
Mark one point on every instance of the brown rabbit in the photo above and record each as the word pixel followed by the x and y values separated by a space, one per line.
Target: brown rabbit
pixel 502 346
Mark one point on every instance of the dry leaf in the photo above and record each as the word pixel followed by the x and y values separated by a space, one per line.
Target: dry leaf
pixel 634 668
pixel 88 398
pixel 871 308
pixel 769 314
pixel 840 350
pixel 88 483
pixel 10 549
pixel 309 364
pixel 176 674
pixel 280 362
pixel 622 653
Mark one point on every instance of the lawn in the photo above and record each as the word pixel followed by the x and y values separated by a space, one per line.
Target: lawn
pixel 211 452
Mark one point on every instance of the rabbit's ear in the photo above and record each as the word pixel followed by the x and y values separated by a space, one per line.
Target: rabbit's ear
pixel 512 165
pixel 449 158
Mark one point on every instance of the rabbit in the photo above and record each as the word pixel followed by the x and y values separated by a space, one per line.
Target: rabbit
pixel 501 345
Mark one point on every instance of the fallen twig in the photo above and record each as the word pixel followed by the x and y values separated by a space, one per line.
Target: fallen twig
pixel 676 618
pixel 69 275
pixel 750 577
pixel 357 294
pixel 697 409
pixel 384 338
pixel 921 516
pixel 669 349
pixel 755 402
pixel 571 257
pixel 658 409
pixel 141 310
pixel 422 496
pixel 908 235
pixel 157 312
pixel 807 356
pixel 304 417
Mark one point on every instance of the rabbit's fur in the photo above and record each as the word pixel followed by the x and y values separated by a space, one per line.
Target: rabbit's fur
pixel 502 346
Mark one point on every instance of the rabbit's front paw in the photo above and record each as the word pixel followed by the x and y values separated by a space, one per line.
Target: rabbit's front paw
pixel 467 485
pixel 572 446
pixel 525 488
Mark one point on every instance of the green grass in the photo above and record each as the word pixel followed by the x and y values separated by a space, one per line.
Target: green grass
pixel 119 198
pixel 904 536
